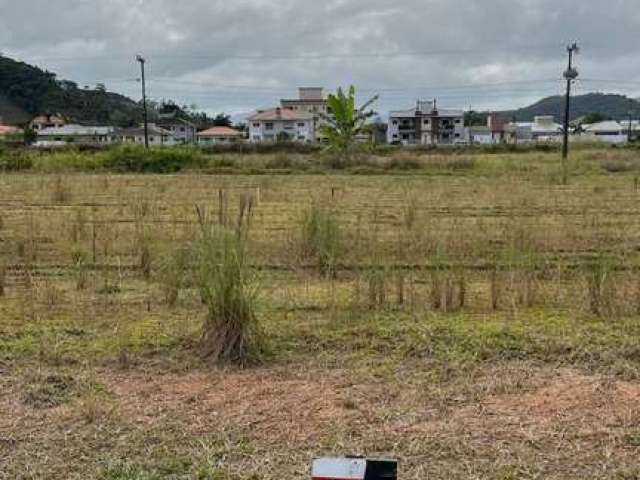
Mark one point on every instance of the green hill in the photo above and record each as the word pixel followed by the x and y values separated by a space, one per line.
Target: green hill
pixel 26 91
pixel 610 105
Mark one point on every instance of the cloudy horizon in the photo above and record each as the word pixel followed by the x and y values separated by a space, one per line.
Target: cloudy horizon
pixel 237 56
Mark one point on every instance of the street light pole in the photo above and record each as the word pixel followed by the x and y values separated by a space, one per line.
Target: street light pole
pixel 570 75
pixel 142 61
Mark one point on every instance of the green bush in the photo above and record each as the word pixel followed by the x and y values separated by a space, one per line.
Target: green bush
pixel 136 159
pixel 15 161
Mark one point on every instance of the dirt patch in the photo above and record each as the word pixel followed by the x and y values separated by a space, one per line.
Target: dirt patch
pixel 586 403
pixel 569 401
pixel 291 410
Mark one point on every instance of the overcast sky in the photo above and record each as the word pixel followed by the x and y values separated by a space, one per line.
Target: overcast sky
pixel 238 55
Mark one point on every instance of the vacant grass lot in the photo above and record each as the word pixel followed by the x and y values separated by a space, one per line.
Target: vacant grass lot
pixel 463 313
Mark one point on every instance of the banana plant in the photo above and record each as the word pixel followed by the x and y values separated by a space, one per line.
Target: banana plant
pixel 344 122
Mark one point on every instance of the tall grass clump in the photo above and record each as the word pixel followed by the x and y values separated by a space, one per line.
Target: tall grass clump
pixel 172 275
pixel 321 238
pixel 232 332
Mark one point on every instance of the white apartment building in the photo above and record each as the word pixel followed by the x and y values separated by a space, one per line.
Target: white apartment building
pixel 426 124
pixel 281 124
pixel 310 100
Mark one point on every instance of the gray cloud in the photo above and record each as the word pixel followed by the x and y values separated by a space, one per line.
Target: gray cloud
pixel 237 55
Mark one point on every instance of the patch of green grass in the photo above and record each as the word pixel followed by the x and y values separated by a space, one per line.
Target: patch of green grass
pixel 124 471
pixel 467 339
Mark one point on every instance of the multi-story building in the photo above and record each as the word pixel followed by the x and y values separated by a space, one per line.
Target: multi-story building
pixel 183 130
pixel 281 125
pixel 426 124
pixel 311 101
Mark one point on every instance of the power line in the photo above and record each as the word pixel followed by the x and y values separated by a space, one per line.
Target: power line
pixel 325 56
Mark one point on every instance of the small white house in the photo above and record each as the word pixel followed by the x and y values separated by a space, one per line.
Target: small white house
pixel 74 135
pixel 157 136
pixel 608 131
pixel 281 124
pixel 219 136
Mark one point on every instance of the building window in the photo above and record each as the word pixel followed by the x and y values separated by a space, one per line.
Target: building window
pixel 152 139
pixel 426 122
pixel 182 129
pixel 395 122
pixel 301 125
pixel 458 122
pixel 268 125
pixel 405 136
pixel 256 125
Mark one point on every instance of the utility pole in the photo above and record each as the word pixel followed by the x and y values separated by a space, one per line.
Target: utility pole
pixel 142 61
pixel 570 75
pixel 629 130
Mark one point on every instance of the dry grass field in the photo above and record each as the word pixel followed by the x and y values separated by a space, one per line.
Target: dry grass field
pixel 468 315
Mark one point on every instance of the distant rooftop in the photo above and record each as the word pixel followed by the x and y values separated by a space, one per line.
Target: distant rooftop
pixel 73 129
pixel 307 94
pixel 427 107
pixel 139 131
pixel 279 114
pixel 220 132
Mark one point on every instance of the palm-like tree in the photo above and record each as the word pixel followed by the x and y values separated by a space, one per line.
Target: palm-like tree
pixel 345 122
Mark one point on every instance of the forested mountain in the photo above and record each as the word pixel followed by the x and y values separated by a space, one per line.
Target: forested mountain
pixel 26 91
pixel 612 106
pixel 32 90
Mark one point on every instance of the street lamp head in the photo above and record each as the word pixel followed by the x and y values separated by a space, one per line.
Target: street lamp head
pixel 571 74
pixel 139 58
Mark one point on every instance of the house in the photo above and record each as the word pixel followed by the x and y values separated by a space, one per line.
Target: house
pixel 608 131
pixel 426 124
pixel 479 135
pixel 490 134
pixel 543 129
pixel 310 101
pixel 74 135
pixel 135 136
pixel 282 124
pixel 48 121
pixel 182 130
pixel 219 136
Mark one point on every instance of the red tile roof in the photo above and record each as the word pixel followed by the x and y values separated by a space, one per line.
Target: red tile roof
pixel 280 114
pixel 8 130
pixel 220 132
